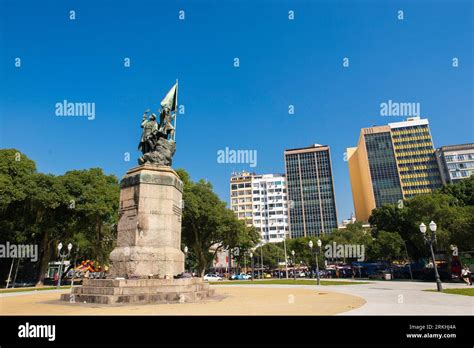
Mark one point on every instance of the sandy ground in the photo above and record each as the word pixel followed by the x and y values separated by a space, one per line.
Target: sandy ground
pixel 229 301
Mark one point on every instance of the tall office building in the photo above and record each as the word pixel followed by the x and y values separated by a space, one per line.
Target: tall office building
pixel 261 201
pixel 456 162
pixel 311 196
pixel 391 163
pixel 416 158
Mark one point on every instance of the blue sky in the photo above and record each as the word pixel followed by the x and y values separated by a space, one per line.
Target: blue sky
pixel 282 62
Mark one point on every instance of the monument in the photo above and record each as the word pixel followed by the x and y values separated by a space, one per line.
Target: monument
pixel 148 256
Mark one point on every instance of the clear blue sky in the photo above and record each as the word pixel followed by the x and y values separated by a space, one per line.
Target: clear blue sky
pixel 282 62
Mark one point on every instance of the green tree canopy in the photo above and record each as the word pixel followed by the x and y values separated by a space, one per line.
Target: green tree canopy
pixel 79 207
pixel 462 191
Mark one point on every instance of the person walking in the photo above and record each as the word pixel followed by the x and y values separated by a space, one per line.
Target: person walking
pixel 466 275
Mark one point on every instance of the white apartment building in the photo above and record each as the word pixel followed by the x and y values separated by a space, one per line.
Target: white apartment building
pixel 261 200
pixel 456 162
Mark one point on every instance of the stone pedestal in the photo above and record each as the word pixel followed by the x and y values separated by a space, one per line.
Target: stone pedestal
pixel 148 252
pixel 149 228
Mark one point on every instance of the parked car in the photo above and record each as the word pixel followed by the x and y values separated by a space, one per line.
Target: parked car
pixel 183 275
pixel 240 276
pixel 381 275
pixel 212 278
pixel 23 284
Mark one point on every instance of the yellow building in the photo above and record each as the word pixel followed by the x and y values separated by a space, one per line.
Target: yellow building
pixel 392 163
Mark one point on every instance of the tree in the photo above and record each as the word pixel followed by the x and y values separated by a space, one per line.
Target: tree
pixel 462 191
pixel 208 225
pixel 387 246
pixel 272 254
pixel 15 170
pixel 393 218
pixel 94 200
pixel 32 206
pixel 47 203
pixel 243 244
pixel 43 209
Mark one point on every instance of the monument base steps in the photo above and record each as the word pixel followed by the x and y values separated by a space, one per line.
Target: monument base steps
pixel 139 291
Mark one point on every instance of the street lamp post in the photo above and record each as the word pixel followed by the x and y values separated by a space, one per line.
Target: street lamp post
pixel 245 264
pixel 279 270
pixel 286 257
pixel 430 239
pixel 62 256
pixel 251 257
pixel 185 257
pixel 74 268
pixel 294 263
pixel 317 262
pixel 10 274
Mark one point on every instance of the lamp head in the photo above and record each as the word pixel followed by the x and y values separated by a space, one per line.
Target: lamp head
pixel 310 244
pixel 422 228
pixel 69 246
pixel 433 226
pixel 60 246
pixel 185 249
pixel 320 243
pixel 293 252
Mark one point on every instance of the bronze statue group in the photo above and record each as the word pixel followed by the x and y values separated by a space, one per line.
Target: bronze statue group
pixel 157 142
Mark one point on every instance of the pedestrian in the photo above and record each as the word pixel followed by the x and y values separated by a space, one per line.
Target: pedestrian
pixel 466 275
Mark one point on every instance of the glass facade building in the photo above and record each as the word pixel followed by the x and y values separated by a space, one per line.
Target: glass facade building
pixel 383 168
pixel 311 196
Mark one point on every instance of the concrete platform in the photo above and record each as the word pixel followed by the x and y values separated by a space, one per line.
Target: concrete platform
pixel 139 291
pixel 228 300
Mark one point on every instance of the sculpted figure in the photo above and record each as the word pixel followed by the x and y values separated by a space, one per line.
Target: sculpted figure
pixel 150 128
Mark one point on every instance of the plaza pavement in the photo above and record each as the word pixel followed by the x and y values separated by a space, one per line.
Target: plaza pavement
pixel 374 298
pixel 399 298
pixel 407 298
pixel 230 300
